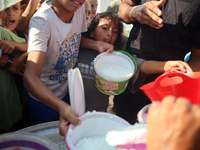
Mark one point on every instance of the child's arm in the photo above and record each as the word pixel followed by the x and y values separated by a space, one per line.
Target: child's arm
pixel 14 65
pixel 7 46
pixel 41 92
pixel 155 67
pixel 98 46
pixel 27 14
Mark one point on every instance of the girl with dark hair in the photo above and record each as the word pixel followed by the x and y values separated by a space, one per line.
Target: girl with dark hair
pixel 105 27
pixel 103 21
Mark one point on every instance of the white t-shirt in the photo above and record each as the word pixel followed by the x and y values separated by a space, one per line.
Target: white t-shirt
pixel 60 41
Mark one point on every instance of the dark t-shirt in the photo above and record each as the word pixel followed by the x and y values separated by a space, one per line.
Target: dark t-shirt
pixel 180 32
pixel 95 100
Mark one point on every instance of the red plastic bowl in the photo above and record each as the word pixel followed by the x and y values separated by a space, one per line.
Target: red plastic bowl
pixel 178 84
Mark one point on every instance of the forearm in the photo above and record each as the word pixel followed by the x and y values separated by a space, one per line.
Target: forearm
pixel 126 15
pixel 152 67
pixel 20 46
pixel 98 46
pixel 40 91
pixel 87 43
pixel 27 14
pixel 33 83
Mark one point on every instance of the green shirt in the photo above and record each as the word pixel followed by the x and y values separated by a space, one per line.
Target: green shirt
pixel 10 105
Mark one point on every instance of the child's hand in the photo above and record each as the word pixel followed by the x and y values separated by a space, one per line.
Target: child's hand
pixel 7 46
pixel 182 66
pixel 18 65
pixel 67 116
pixel 102 47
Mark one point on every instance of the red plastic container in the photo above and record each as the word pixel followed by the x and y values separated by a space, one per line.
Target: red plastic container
pixel 178 84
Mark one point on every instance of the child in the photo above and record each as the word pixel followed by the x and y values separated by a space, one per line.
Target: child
pixel 53 46
pixel 87 11
pixel 9 19
pixel 94 4
pixel 107 27
pixel 11 110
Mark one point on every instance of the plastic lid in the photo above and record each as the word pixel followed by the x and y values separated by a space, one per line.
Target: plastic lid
pixel 76 91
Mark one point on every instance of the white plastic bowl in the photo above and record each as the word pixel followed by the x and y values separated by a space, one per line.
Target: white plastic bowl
pixel 93 124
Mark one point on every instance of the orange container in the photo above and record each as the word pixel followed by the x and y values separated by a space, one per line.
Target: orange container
pixel 178 84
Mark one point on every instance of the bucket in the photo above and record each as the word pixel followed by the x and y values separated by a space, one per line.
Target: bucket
pixel 93 124
pixel 178 84
pixel 113 71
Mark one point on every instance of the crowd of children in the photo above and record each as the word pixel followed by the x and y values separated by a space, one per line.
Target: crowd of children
pixel 13 45
pixel 56 31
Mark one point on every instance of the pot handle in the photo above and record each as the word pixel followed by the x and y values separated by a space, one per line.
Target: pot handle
pixel 171 77
pixel 125 52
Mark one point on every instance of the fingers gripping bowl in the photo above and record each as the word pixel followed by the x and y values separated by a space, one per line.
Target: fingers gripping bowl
pixel 94 124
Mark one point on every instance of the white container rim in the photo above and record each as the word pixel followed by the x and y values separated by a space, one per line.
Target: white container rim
pixel 88 116
pixel 111 78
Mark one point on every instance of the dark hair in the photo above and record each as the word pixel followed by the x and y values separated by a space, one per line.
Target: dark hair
pixel 24 2
pixel 95 21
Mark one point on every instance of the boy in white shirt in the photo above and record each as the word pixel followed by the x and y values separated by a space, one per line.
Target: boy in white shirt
pixel 53 46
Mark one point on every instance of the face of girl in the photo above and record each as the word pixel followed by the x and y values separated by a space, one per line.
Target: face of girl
pixel 106 31
pixel 94 4
pixel 11 16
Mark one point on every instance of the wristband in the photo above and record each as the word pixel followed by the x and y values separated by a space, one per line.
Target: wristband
pixel 8 63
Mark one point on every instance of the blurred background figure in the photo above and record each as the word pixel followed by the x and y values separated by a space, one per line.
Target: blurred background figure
pixel 94 4
pixel 29 7
pixel 114 6
pixel 23 5
pixel 87 11
pixel 40 4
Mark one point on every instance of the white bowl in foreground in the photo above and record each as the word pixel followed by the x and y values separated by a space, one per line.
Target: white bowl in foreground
pixel 93 124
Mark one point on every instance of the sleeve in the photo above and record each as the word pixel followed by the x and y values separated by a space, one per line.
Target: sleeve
pixel 39 33
pixel 83 16
pixel 138 78
pixel 6 34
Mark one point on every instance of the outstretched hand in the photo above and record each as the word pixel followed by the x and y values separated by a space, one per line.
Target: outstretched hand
pixel 149 13
pixel 181 66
